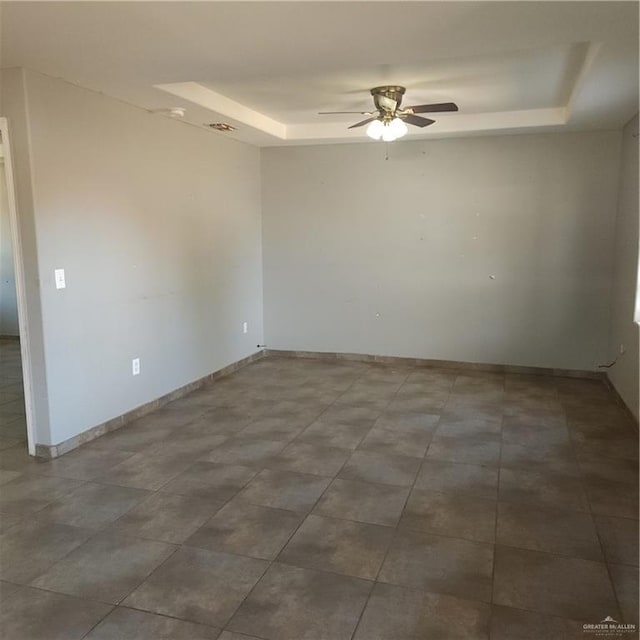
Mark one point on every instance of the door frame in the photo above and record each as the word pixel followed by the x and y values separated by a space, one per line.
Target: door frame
pixel 18 266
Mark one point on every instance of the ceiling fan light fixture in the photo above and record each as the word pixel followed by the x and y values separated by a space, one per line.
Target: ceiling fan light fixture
pixel 387 130
pixel 398 128
pixel 375 129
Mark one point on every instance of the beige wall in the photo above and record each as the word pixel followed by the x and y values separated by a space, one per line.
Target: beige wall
pixel 624 331
pixel 157 225
pixel 162 228
pixel 396 257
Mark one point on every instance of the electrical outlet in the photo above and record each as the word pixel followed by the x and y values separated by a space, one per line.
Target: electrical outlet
pixel 245 327
pixel 135 366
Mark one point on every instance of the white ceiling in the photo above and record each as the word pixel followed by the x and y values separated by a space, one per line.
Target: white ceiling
pixel 269 67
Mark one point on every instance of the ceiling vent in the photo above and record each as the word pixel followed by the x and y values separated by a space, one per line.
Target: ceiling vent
pixel 221 126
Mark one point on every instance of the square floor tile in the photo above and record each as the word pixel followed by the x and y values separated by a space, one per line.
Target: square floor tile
pixel 471 422
pixel 514 624
pixel 449 514
pixel 461 398
pixel 143 471
pixel 560 531
pixel 541 410
pixel 619 538
pixel 595 468
pixel 309 458
pixel 363 502
pixel 470 429
pixel 210 481
pixel 625 583
pixel 31 547
pixel 166 517
pixel 346 414
pixel 8 520
pixel 229 635
pixel 86 462
pixel 93 505
pixel 451 477
pixel 290 603
pixel 8 476
pixel 198 585
pixel 623 445
pixel 245 452
pixel 105 568
pixel 247 529
pixel 557 458
pixel 31 614
pixel 223 420
pixel 381 468
pixel 366 398
pixel 474 381
pixel 334 434
pixel 186 442
pixel 611 498
pixel 427 402
pixel 17 458
pixel 567 587
pixel 439 564
pixel 30 493
pixel 431 377
pixel 476 450
pixel 351 548
pixel 11 440
pixel 396 441
pixel 534 435
pixel 129 624
pixel 133 437
pixel 410 421
pixel 396 613
pixel 542 489
pixel 276 428
pixel 284 490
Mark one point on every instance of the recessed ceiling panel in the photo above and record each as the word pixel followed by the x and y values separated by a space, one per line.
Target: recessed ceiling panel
pixel 511 81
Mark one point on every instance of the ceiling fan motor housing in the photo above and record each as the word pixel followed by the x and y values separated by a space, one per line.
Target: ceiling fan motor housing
pixel 387 99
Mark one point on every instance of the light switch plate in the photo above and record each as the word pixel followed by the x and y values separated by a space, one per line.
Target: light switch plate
pixel 59 277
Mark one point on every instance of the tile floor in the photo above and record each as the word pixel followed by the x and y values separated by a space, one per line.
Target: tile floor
pixel 300 500
pixel 13 428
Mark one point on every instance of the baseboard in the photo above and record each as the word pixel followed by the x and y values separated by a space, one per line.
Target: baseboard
pixel 440 364
pixel 53 451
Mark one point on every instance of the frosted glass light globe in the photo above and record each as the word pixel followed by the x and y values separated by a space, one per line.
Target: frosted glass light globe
pixel 375 129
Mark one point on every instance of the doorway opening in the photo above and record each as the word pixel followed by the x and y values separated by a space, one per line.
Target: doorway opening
pixel 16 420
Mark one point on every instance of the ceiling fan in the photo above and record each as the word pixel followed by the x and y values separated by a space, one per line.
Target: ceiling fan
pixel 388 120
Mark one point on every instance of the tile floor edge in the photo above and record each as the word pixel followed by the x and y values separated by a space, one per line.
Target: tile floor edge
pixel 443 364
pixel 53 451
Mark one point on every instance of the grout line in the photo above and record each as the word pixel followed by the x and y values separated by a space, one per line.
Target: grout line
pixel 356 378
pixel 395 530
pixel 106 615
pixel 581 480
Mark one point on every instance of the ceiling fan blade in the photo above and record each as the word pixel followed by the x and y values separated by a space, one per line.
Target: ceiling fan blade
pixel 432 108
pixel 417 120
pixel 362 113
pixel 363 122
